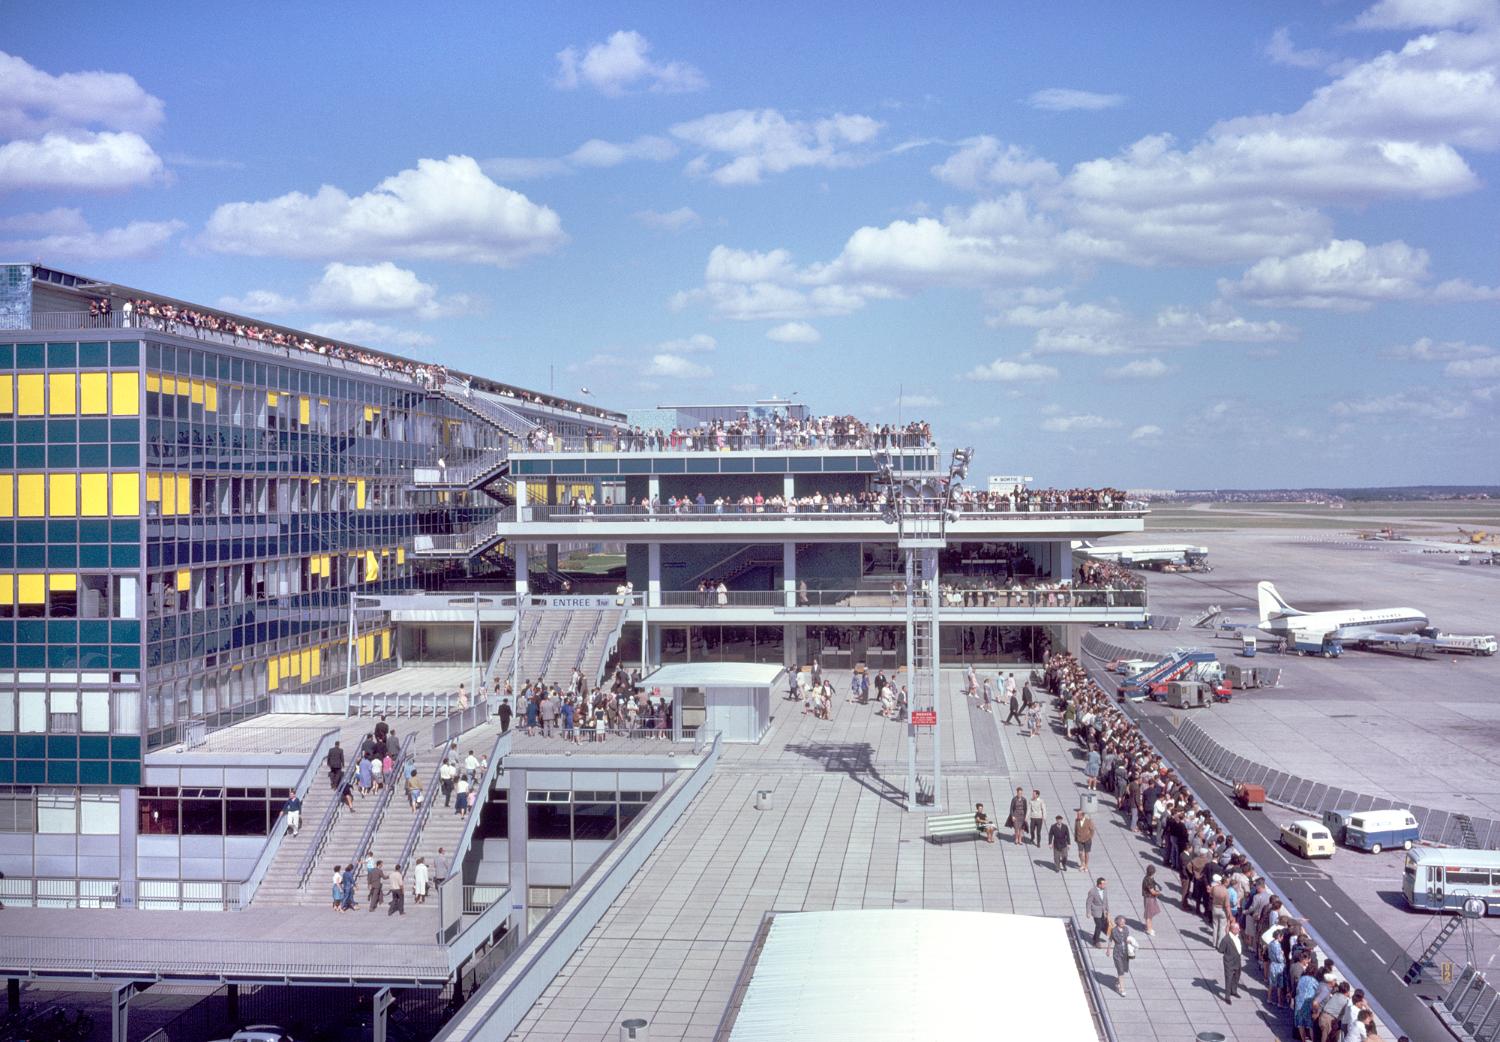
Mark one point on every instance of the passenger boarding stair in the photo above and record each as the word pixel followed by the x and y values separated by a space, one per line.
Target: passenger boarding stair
pixel 1205 619
pixel 1419 964
pixel 1171 668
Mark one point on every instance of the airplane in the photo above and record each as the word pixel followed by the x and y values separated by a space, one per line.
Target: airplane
pixel 1349 626
pixel 1147 556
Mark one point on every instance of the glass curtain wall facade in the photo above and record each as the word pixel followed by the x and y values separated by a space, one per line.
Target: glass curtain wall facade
pixel 181 527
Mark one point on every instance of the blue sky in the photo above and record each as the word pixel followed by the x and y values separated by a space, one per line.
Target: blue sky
pixel 1175 244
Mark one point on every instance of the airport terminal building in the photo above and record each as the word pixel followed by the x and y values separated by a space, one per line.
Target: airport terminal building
pixel 233 543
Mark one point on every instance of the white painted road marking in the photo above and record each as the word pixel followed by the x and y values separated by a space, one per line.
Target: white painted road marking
pixel 1344 921
pixel 1356 934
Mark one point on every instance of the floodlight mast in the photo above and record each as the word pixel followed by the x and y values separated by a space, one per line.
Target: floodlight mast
pixel 920 506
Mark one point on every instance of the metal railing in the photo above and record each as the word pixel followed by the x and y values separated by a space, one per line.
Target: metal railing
pixel 383 801
pixel 460 722
pixel 1012 598
pixel 1474 1005
pixel 496 1010
pixel 706 442
pixel 325 828
pixel 419 820
pixel 463 475
pixel 252 882
pixel 587 733
pixel 479 794
pixel 534 512
pixel 401 703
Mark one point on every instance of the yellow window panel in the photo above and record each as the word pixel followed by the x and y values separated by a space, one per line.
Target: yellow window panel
pixel 95 494
pixel 126 392
pixel 153 383
pixel 168 384
pixel 32 492
pixel 62 394
pixel 195 391
pixel 359 494
pixel 211 397
pixel 33 589
pixel 62 581
pixel 273 674
pixel 62 495
pixel 93 394
pixel 400 555
pixel 385 643
pixel 369 414
pixel 7 495
pixel 317 662
pixel 184 494
pixel 306 664
pixel 272 398
pixel 127 494
pixel 153 488
pixel 168 495
pixel 304 411
pixel 184 579
pixel 32 391
pixel 7 394
pixel 7 589
pixel 372 566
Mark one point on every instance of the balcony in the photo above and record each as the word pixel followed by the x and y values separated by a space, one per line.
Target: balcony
pixel 1017 604
pixel 631 523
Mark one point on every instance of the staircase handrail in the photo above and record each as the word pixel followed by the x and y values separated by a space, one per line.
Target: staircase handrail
pixel 588 642
pixel 383 801
pixel 278 830
pixel 611 642
pixel 547 655
pixel 502 416
pixel 721 566
pixel 507 639
pixel 420 821
pixel 325 828
pixel 478 794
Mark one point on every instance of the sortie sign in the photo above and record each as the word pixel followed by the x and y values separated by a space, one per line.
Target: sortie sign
pixel 924 717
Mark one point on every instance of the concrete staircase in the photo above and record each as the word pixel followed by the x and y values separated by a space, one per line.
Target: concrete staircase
pixel 280 886
pixel 573 638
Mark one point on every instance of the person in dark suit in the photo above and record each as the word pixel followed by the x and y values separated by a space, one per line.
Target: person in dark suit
pixel 335 765
pixel 1232 949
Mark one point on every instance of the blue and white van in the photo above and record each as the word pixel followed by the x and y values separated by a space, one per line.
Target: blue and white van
pixel 1377 830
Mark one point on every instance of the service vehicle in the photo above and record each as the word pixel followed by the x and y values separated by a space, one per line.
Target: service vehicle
pixel 1307 838
pixel 1441 879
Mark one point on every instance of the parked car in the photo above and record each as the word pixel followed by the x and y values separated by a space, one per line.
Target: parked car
pixel 1307 838
pixel 259 1033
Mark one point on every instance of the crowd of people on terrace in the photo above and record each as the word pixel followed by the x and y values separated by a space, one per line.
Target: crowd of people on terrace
pixel 578 713
pixel 1246 922
pixel 864 502
pixel 143 312
pixel 776 432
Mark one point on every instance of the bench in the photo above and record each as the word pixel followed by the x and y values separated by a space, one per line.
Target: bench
pixel 941 826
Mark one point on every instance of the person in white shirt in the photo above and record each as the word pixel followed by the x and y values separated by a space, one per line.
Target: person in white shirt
pixel 419 878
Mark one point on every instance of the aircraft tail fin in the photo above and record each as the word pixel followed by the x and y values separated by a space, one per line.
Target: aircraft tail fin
pixel 1272 606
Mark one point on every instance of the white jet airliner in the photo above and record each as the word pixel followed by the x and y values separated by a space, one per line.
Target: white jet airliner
pixel 1352 626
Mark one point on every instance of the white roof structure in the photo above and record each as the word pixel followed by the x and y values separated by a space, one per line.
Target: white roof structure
pixel 880 974
pixel 714 674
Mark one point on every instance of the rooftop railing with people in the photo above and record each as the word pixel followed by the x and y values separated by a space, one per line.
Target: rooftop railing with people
pixel 771 511
pixel 829 433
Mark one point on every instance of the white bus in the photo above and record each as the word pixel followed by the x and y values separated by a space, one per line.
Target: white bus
pixel 1441 879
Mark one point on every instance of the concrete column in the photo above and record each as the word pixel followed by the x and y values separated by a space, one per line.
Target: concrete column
pixel 788 486
pixel 552 490
pixel 523 499
pixel 523 562
pixel 789 574
pixel 653 574
pixel 129 819
pixel 653 487
pixel 551 557
pixel 515 847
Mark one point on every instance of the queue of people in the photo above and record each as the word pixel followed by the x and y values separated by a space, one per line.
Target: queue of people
pixel 1243 920
pixel 578 713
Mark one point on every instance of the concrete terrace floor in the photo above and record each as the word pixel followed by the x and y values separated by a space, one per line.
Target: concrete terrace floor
pixel 836 837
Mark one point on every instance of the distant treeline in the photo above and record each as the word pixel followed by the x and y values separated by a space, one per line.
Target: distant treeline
pixel 1393 493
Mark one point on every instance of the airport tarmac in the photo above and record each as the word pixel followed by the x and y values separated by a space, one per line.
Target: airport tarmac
pixel 1425 730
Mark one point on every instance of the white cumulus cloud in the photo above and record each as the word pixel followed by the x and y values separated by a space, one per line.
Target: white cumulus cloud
pixel 63 232
pixel 1073 424
pixel 259 302
pixel 1425 349
pixel 1348 275
pixel 1003 370
pixel 743 146
pixel 622 64
pixel 33 102
pixel 372 333
pixel 1474 368
pixel 677 367
pixel 380 287
pixel 1066 99
pixel 1282 51
pixel 1145 432
pixel 443 209
pixel 983 163
pixel 80 161
pixel 698 343
pixel 1141 369
pixel 794 333
pixel 677 220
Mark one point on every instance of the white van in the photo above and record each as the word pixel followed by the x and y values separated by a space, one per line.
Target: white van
pixel 1375 830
